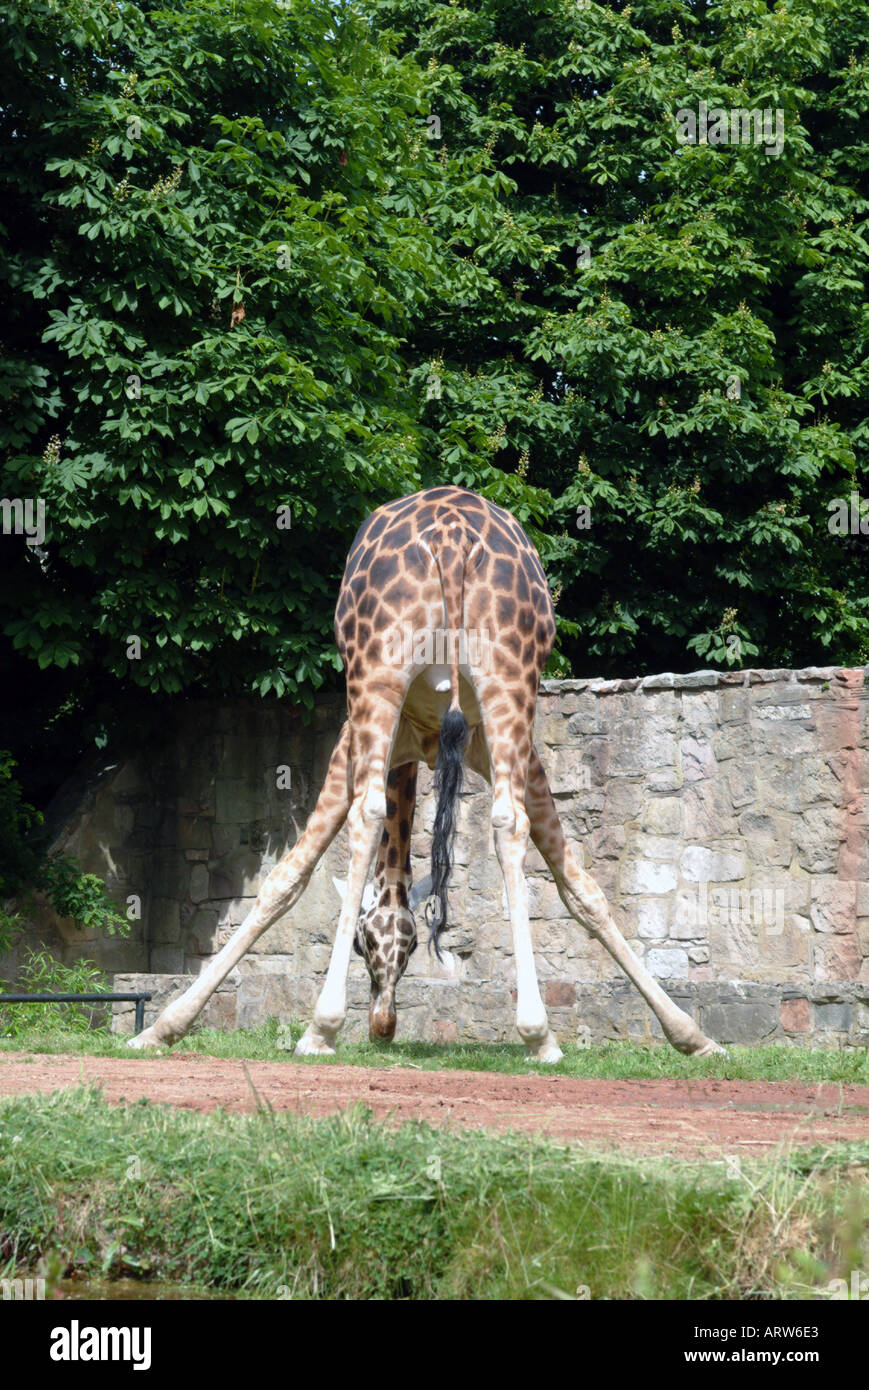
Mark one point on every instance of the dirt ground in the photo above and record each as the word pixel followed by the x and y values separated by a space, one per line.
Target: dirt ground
pixel 692 1118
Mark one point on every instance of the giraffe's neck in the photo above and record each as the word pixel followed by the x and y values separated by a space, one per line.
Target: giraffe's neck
pixel 392 873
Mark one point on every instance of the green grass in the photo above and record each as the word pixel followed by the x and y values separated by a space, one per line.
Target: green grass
pixel 277 1206
pixel 273 1042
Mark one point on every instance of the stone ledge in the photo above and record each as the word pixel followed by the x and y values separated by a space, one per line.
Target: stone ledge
pixel 698 680
pixel 740 1012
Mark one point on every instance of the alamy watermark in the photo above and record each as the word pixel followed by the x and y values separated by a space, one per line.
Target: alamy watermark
pixel 857 1290
pixel 77 1343
pixel 734 125
pixel 742 907
pixel 848 521
pixel 23 516
pixel 404 645
pixel 24 1290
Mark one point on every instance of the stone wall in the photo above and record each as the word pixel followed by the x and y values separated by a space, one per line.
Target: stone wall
pixel 723 814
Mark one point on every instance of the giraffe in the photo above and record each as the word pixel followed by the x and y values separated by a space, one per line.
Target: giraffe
pixel 446 564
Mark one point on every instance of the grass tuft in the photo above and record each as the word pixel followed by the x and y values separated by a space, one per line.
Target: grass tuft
pixel 273 1042
pixel 280 1206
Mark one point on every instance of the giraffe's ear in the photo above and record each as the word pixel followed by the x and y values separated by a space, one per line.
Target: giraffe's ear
pixel 341 885
pixel 420 891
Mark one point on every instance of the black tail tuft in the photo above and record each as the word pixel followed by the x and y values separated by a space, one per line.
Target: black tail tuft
pixel 449 775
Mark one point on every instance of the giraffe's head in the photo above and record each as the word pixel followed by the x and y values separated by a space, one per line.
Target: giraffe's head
pixel 385 939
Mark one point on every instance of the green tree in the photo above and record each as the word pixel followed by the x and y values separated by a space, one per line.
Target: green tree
pixel 265 265
pixel 214 246
pixel 670 337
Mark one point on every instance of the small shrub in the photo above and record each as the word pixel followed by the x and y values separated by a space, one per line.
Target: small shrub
pixel 24 867
pixel 43 974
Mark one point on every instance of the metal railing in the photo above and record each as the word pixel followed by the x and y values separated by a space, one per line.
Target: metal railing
pixel 138 999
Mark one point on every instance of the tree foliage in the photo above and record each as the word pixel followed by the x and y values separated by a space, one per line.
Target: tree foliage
pixel 211 262
pixel 265 265
pixel 674 337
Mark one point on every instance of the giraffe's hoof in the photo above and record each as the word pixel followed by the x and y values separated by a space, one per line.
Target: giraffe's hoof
pixel 147 1038
pixel 709 1048
pixel 313 1044
pixel 548 1053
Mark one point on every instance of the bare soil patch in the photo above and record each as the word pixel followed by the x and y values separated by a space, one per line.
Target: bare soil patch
pixel 699 1118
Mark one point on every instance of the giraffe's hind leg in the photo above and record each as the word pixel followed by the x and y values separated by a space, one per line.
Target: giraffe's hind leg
pixel 283 887
pixel 585 901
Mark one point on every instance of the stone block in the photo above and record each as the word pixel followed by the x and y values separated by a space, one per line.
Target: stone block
pixel 742 786
pixel 662 815
pixel 585 722
pixel 665 681
pixel 444 1030
pixel 796 1015
pixel 740 1021
pixel 622 801
pixel 646 876
pixel 767 837
pixel 651 918
pixel 575 770
pixel 165 921
pixel 637 747
pixel 607 842
pixel 239 800
pixel 198 889
pixel 817 835
pixel 734 943
pixel 690 914
pixel 734 706
pixel 700 864
pixel 837 958
pixel 834 1018
pixel 698 760
pixel 560 993
pixel 221 1012
pixel 666 848
pixel 668 779
pixel 707 809
pixel 698 680
pixel 833 905
pixel 167 960
pixel 201 933
pixel 193 832
pixel 667 963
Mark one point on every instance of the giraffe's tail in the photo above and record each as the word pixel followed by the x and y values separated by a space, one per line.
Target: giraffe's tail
pixel 451 553
pixel 449 775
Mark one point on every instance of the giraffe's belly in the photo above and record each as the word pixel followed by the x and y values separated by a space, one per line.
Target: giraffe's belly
pixel 426 703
